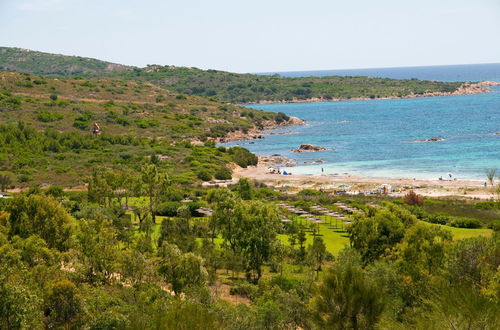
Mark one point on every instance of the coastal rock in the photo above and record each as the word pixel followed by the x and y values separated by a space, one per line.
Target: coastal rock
pixel 431 139
pixel 308 148
pixel 282 133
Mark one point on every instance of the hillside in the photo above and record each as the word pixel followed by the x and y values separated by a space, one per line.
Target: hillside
pixel 39 63
pixel 46 136
pixel 249 88
pixel 224 86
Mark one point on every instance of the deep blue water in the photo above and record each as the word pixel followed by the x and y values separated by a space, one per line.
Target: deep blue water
pixel 469 72
pixel 371 137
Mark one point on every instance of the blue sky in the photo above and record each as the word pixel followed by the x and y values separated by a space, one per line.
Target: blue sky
pixel 259 35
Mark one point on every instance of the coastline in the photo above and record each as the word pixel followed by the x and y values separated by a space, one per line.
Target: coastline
pixel 464 89
pixel 257 133
pixel 466 189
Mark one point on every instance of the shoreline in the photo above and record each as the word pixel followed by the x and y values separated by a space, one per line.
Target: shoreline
pixel 465 89
pixel 258 133
pixel 464 189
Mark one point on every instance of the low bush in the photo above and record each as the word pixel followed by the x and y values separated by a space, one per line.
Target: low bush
pixel 204 175
pixel 223 173
pixel 463 222
pixel 48 117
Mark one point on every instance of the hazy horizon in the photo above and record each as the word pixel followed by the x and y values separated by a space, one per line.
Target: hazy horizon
pixel 260 36
pixel 285 71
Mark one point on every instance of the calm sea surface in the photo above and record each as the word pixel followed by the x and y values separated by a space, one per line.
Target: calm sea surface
pixel 371 138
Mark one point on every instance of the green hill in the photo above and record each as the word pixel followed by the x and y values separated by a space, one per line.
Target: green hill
pixel 38 63
pixel 224 86
pixel 45 135
pixel 250 88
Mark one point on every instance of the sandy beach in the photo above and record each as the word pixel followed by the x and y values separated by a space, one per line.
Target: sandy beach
pixel 467 189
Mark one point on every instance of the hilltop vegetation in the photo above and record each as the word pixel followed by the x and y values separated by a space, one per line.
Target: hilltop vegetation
pixel 39 63
pixel 249 88
pixel 224 86
pixel 45 136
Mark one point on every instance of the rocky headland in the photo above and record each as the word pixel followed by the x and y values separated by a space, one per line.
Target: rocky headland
pixel 257 133
pixel 464 89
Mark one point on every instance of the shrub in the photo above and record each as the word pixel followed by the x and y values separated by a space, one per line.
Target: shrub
pixel 488 205
pixel 204 175
pixel 440 218
pixel 243 289
pixel 281 117
pixel 223 173
pixel 53 97
pixel 48 117
pixel 495 225
pixel 243 157
pixel 412 198
pixel 309 192
pixel 168 209
pixel 463 222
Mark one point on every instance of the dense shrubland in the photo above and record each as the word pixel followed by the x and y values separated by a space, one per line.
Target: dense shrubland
pixel 45 139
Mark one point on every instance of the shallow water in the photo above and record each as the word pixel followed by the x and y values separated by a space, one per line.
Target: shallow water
pixel 371 138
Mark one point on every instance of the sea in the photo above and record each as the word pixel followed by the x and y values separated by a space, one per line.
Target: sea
pixel 373 138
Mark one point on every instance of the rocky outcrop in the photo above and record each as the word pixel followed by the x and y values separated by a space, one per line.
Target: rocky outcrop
pixel 256 133
pixel 308 148
pixel 431 139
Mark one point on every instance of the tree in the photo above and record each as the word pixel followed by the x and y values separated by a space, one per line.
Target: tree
pixel 347 299
pixel 256 225
pixel 5 181
pixel 317 253
pixel 154 184
pixel 65 306
pixel 374 236
pixel 245 189
pixel 42 216
pixel 222 218
pixel 491 173
pixel 181 270
pixel 422 251
pixel 98 249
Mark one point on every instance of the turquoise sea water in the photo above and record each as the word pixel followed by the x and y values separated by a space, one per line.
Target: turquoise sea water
pixel 371 138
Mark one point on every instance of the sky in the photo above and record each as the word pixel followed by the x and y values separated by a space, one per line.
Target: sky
pixel 259 35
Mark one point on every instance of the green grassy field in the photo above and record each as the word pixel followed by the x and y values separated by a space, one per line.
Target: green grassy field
pixel 461 233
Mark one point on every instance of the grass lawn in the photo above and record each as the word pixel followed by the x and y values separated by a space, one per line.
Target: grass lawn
pixel 461 233
pixel 335 237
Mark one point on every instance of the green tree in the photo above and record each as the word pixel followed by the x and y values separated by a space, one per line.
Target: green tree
pixel 256 227
pixel 316 254
pixel 43 216
pixel 181 270
pixel 5 181
pixel 222 219
pixel 423 250
pixel 65 306
pixel 376 235
pixel 98 249
pixel 245 189
pixel 154 184
pixel 346 299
